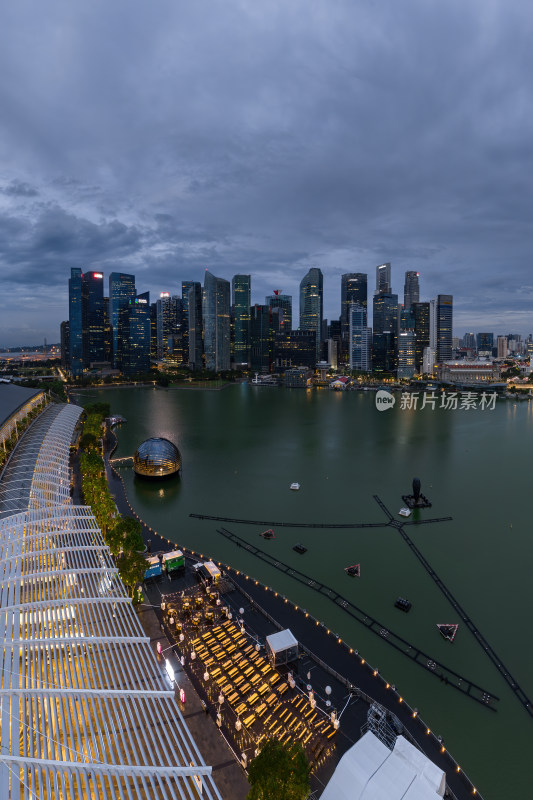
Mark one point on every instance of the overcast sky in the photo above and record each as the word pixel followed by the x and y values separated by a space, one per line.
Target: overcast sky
pixel 265 137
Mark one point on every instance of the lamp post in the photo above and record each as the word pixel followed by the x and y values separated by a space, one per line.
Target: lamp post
pixel 328 692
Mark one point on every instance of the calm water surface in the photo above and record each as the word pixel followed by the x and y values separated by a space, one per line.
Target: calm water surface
pixel 242 447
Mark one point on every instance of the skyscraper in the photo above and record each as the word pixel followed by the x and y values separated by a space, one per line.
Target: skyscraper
pixel 216 318
pixel 411 290
pixel 284 303
pixel 261 338
pixel 485 343
pixel 353 290
pixel 385 312
pixel 444 327
pixel 64 329
pixel 420 312
pixel 194 309
pixel 136 334
pixel 166 323
pixel 76 315
pixel 312 304
pixel 383 278
pixel 241 294
pixel 94 318
pixel 406 354
pixel 121 290
pixel 359 338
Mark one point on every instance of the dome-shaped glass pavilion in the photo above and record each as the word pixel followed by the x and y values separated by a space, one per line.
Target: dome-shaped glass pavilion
pixel 156 458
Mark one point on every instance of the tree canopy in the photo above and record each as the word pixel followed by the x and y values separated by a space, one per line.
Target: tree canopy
pixel 280 772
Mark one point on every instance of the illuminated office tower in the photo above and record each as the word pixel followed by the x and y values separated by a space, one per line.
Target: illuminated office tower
pixel 354 289
pixel 121 290
pixel 485 343
pixel 312 304
pixel 360 338
pixel 195 324
pixel 385 331
pixel 135 329
pixel 166 323
pixel 411 290
pixel 76 315
pixel 283 302
pixel 383 278
pixel 94 346
pixel 420 312
pixel 216 319
pixel 444 320
pixel 406 354
pixel 241 296
pixel 261 338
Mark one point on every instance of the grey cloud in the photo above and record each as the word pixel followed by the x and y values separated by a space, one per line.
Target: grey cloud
pixel 267 138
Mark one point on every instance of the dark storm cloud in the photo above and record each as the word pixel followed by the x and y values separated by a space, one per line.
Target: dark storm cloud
pixel 19 189
pixel 268 138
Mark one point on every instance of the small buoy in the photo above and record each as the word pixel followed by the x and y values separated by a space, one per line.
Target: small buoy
pixel 511 525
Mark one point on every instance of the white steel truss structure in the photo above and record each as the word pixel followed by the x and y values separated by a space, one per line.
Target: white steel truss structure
pixel 85 711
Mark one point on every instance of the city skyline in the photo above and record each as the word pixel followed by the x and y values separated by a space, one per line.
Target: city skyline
pixel 267 142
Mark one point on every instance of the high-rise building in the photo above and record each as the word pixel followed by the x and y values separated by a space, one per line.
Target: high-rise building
pixel 86 320
pixel 359 338
pixel 261 338
pixel 406 354
pixel 194 306
pixel 383 278
pixel 433 324
pixel 134 321
pixel 166 323
pixel 216 318
pixel 411 290
pixel 75 304
pixel 428 361
pixel 94 318
pixel 295 349
pixel 312 304
pixel 420 312
pixel 354 289
pixel 444 327
pixel 64 331
pixel 153 331
pixel 485 343
pixel 502 348
pixel 284 303
pixel 384 339
pixel 241 296
pixel 121 290
pixel 108 333
pixel 469 341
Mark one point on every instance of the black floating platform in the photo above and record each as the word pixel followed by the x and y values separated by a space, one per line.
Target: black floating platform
pixel 416 502
pixel 268 534
pixel 299 548
pixel 403 604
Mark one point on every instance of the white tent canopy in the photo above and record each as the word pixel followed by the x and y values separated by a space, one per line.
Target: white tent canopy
pixel 370 771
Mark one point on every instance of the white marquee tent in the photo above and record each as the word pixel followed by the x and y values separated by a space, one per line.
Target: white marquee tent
pixel 370 771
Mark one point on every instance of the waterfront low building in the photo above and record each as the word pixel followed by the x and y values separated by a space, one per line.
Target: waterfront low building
pixel 468 372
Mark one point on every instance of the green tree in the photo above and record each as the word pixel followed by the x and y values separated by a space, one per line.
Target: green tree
pixel 279 772
pixel 132 567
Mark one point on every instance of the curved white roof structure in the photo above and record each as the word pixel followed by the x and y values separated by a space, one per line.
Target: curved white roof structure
pixel 85 711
